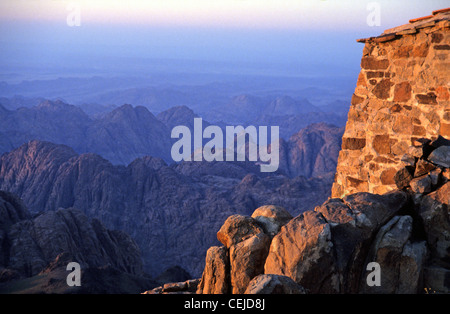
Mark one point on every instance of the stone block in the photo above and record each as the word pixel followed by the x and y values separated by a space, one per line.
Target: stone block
pixel 381 144
pixel 426 99
pixel 353 143
pixel 402 92
pixel 371 63
pixel 387 176
pixel 383 89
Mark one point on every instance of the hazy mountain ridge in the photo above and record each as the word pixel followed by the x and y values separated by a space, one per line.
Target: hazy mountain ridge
pixel 120 136
pixel 128 132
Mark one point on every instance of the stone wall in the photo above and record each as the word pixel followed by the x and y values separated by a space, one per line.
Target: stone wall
pixel 401 95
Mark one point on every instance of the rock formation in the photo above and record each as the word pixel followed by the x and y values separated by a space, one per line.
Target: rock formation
pixel 312 151
pixel 401 95
pixel 328 249
pixel 155 203
pixel 41 247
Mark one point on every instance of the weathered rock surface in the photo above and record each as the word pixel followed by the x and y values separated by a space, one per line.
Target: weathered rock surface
pixel 274 284
pixel 400 260
pixel 302 251
pixel 271 218
pixel 34 243
pixel 325 254
pixel 45 244
pixel 247 260
pixel 237 228
pixel 441 156
pixel 216 275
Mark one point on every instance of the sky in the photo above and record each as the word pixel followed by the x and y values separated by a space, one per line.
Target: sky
pixel 91 34
pixel 260 14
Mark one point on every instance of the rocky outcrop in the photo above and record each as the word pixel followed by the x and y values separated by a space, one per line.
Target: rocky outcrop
pixel 324 250
pixel 245 249
pixel 41 247
pixel 401 260
pixel 274 284
pixel 312 151
pixel 155 203
pixel 331 249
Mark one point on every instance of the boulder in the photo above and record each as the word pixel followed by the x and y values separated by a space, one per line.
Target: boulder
pixel 324 250
pixel 271 218
pixel 435 213
pixel 236 229
pixel 423 167
pixel 302 250
pixel 274 284
pixel 216 275
pixel 247 261
pixel 441 156
pixel 401 261
pixel 421 184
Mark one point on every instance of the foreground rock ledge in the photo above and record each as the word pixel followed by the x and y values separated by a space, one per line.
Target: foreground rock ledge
pixel 327 250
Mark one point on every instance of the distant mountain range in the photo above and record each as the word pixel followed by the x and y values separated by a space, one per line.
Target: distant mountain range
pixel 126 133
pixel 120 136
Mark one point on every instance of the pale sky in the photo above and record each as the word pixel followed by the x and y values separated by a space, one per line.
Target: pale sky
pixel 273 14
pixel 299 35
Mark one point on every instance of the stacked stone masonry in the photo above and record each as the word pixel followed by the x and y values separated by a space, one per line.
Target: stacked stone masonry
pixel 401 95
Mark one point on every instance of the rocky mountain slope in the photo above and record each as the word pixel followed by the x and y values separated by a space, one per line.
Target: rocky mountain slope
pixel 35 251
pixel 121 135
pixel 311 152
pixel 157 204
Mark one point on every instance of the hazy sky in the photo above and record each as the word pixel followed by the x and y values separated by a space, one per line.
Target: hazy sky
pixel 273 14
pixel 44 33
